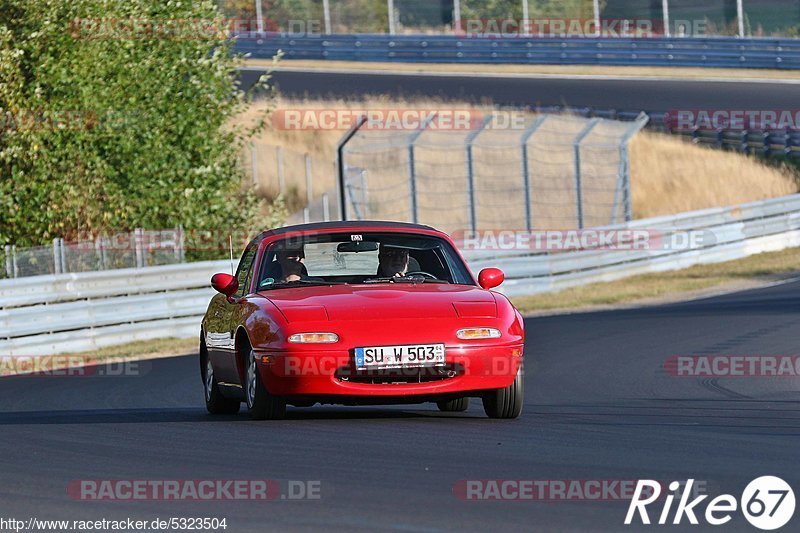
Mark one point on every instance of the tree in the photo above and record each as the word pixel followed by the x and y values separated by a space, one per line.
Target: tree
pixel 117 114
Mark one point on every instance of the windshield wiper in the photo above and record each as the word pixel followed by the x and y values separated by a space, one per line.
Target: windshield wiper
pixel 405 279
pixel 283 284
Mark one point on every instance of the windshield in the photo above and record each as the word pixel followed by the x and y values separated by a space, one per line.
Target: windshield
pixel 361 258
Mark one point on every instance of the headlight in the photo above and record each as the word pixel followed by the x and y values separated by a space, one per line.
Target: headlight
pixel 478 333
pixel 314 338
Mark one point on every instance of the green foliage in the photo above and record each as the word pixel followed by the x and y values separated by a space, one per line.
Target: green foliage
pixel 112 122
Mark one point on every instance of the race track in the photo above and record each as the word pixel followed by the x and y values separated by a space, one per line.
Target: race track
pixel 622 94
pixel 599 406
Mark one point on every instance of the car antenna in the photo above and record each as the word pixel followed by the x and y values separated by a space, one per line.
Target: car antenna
pixel 230 244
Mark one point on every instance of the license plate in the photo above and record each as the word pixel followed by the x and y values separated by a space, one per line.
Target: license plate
pixel 400 356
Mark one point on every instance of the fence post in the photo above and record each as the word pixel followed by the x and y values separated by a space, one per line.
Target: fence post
pixel 326 8
pixel 99 253
pixel 412 168
pixel 526 179
pixel 56 257
pixel 525 19
pixel 326 208
pixel 470 139
pixel 340 163
pixel 9 266
pixel 281 177
pixel 578 185
pixel 665 17
pixel 259 17
pixel 457 16
pixel 390 8
pixel 254 162
pixel 63 251
pixel 624 171
pixel 309 181
pixel 138 246
pixel 181 244
pixel 740 18
pixel 15 267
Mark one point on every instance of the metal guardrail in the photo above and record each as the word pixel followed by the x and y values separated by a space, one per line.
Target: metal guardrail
pixel 83 311
pixel 52 314
pixel 730 233
pixel 753 52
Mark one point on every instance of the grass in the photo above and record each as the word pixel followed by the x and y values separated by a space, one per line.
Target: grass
pixel 673 285
pixel 668 175
pixel 551 70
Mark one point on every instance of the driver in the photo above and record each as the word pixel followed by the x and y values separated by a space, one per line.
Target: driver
pixel 392 261
pixel 291 262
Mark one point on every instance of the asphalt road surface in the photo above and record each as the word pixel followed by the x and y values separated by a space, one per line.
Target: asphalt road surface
pixel 621 94
pixel 599 406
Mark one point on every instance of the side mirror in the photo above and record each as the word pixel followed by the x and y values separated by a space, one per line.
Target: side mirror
pixel 490 278
pixel 225 284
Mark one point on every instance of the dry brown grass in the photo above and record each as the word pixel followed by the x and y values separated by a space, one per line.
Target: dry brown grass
pixel 668 175
pixel 674 285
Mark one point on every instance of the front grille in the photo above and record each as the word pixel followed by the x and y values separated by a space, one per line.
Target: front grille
pixel 399 376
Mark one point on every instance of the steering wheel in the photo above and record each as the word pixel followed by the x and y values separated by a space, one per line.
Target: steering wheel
pixel 422 273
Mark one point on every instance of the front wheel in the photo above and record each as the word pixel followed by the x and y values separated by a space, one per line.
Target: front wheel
pixel 454 406
pixel 260 403
pixel 507 402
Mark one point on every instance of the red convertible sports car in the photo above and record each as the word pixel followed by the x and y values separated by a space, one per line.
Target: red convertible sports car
pixel 359 313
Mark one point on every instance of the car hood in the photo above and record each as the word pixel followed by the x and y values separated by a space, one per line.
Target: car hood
pixel 380 301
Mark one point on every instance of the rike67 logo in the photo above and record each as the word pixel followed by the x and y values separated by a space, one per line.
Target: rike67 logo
pixel 767 503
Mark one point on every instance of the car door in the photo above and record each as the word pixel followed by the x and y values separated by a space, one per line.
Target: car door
pixel 224 350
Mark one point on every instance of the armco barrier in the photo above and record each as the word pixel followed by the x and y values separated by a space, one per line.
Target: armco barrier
pixel 754 52
pixel 95 309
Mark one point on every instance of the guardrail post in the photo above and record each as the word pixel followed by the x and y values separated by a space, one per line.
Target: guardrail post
pixel 56 257
pixel 526 179
pixel 412 169
pixel 340 164
pixel 578 186
pixel 470 139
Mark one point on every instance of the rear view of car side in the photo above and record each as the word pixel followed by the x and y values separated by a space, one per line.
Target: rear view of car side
pixel 359 313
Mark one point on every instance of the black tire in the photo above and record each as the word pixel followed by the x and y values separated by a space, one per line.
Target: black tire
pixel 454 406
pixel 261 405
pixel 216 402
pixel 507 402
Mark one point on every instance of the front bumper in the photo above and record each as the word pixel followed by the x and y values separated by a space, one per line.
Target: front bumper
pixel 332 373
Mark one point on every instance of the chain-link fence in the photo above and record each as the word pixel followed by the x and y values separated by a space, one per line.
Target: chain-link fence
pixel 553 171
pixel 664 17
pixel 136 249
